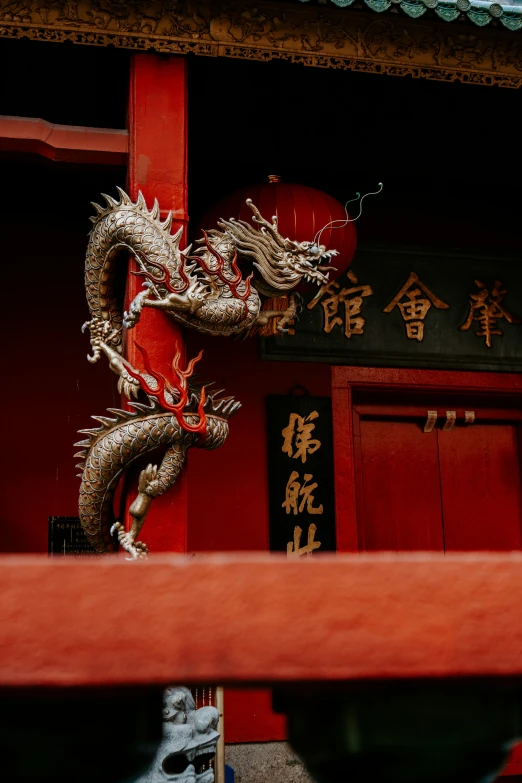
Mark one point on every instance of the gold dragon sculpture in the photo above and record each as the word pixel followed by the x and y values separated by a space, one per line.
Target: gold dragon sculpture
pixel 204 289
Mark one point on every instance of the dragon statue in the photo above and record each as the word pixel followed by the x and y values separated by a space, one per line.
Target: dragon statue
pixel 206 291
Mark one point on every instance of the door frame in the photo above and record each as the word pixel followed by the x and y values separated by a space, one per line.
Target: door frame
pixel 347 380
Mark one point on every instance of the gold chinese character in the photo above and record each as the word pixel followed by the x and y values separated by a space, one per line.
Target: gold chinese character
pixel 301 428
pixel 486 309
pixel 353 322
pixel 293 548
pixel 295 490
pixel 415 308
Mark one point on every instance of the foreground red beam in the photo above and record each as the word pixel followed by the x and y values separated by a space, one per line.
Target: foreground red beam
pixel 258 619
pixel 64 143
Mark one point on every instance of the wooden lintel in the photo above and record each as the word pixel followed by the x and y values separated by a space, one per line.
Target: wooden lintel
pixel 258 619
pixel 64 143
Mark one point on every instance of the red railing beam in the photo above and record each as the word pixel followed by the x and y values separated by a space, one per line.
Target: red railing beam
pixel 258 619
pixel 64 143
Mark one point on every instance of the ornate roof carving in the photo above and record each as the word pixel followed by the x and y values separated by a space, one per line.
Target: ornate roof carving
pixel 316 35
pixel 480 12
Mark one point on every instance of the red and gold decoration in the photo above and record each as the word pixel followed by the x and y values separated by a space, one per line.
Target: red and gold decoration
pixel 205 291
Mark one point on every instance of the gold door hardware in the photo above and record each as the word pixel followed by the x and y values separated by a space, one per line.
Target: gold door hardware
pixel 451 418
pixel 430 421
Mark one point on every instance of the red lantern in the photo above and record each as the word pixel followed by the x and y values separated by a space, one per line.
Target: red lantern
pixel 301 212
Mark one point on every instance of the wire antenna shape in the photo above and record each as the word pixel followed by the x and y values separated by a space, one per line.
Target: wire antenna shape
pixel 332 223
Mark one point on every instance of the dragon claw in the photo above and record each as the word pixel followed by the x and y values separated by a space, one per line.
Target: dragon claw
pixel 115 527
pixel 290 314
pixel 137 550
pixel 132 316
pixel 128 385
pixel 102 334
pixel 148 483
pixel 142 551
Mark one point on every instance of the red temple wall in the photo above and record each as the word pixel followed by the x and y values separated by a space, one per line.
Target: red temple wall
pixel 228 490
pixel 49 390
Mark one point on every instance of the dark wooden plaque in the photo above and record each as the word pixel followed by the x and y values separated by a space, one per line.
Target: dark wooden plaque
pixel 300 474
pixel 66 538
pixel 458 311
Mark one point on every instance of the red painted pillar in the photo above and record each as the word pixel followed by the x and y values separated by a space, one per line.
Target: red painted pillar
pixel 158 167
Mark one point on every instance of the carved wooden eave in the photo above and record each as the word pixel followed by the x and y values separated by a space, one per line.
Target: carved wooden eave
pixel 321 36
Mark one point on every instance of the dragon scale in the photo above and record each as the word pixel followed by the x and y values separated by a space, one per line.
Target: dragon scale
pixel 111 448
pixel 132 228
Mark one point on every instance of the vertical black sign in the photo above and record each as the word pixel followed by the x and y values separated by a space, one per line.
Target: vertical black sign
pixel 66 537
pixel 300 474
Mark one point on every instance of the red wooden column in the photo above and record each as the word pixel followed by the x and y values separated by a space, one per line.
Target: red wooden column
pixel 158 167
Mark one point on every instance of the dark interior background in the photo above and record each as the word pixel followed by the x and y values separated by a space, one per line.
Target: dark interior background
pixel 450 170
pixel 444 152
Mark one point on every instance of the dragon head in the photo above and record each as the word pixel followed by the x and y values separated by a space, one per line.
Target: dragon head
pixel 280 264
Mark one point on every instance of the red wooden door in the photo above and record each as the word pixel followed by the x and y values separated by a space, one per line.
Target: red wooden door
pixel 480 487
pixel 399 501
pixel 400 488
pixel 457 490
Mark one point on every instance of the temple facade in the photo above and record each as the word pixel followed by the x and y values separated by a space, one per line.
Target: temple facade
pixel 380 403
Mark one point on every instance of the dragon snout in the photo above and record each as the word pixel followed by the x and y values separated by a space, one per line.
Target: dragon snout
pixel 314 274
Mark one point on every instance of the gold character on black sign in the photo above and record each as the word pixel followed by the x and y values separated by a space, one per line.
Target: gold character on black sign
pixel 294 548
pixel 352 298
pixel 299 495
pixel 414 307
pixel 298 442
pixel 486 309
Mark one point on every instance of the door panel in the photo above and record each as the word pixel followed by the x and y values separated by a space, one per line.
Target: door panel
pixel 399 503
pixel 480 483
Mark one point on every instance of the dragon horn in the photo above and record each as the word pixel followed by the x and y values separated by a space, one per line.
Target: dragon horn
pixel 270 227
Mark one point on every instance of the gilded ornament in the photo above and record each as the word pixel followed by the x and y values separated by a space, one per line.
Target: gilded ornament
pixel 179 415
pixel 202 289
pixel 311 35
